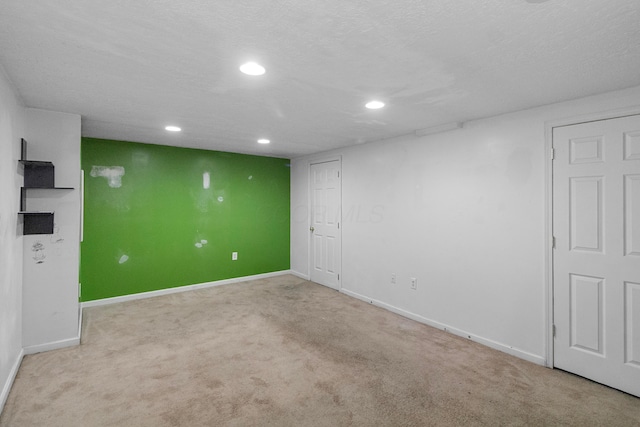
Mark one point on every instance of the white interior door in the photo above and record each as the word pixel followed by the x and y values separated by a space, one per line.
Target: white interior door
pixel 596 222
pixel 325 223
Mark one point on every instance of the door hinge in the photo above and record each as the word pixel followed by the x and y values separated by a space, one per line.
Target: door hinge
pixel 553 153
pixel 338 225
pixel 553 242
pixel 554 331
pixel 338 277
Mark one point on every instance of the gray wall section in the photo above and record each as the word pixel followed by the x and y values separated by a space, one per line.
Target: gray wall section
pixel 12 118
pixel 50 278
pixel 462 211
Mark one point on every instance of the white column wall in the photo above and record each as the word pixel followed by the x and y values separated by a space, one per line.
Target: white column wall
pixel 50 295
pixel 463 212
pixel 11 130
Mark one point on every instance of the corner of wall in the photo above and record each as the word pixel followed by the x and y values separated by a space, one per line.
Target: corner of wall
pixel 12 117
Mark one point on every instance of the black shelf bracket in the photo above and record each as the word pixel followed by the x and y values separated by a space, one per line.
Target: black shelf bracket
pixel 37 222
pixel 37 175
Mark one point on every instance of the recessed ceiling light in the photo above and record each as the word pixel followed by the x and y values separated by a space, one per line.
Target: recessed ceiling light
pixel 172 128
pixel 263 141
pixel 374 105
pixel 252 69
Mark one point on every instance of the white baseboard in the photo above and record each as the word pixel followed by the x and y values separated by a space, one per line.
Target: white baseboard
pixel 6 389
pixel 55 345
pixel 186 288
pixel 538 360
pixel 300 275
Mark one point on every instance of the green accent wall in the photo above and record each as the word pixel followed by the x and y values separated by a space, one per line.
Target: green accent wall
pixel 150 223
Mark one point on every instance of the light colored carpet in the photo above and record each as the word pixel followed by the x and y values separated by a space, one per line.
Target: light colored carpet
pixel 287 352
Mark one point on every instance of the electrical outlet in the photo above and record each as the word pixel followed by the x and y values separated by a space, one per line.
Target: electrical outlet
pixel 414 283
pixel 234 256
pixel 393 278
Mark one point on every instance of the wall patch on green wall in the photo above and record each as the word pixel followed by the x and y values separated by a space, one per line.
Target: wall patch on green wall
pixel 113 174
pixel 171 216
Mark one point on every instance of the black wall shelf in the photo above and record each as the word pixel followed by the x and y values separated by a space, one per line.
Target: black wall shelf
pixel 37 175
pixel 37 222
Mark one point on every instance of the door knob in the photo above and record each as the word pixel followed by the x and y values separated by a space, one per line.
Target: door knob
pixel 312 229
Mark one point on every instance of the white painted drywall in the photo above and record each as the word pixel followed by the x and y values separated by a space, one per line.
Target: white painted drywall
pixel 50 295
pixel 11 130
pixel 463 212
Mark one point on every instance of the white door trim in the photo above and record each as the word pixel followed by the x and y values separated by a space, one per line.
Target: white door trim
pixel 548 237
pixel 315 161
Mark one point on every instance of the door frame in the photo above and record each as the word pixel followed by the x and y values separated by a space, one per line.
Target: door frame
pixel 548 222
pixel 315 161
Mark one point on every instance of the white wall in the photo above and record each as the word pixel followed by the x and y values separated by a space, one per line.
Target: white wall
pixel 463 212
pixel 11 130
pixel 50 296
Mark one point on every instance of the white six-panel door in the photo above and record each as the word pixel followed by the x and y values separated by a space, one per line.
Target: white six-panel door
pixel 324 226
pixel 596 262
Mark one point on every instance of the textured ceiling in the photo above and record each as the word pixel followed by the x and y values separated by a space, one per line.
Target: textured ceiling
pixel 132 67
